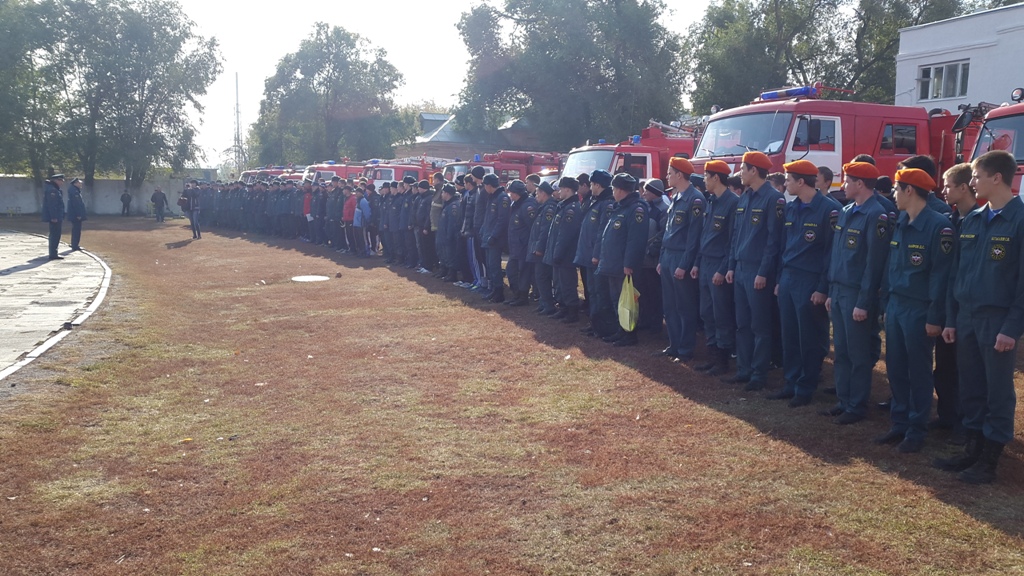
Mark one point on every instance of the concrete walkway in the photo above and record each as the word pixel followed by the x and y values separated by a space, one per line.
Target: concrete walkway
pixel 41 300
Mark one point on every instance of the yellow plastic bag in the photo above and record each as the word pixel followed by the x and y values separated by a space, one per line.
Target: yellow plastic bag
pixel 629 305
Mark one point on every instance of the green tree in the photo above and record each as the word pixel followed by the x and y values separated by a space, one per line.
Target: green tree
pixel 331 98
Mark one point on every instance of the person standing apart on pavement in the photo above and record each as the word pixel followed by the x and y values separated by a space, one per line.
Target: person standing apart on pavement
pixel 53 211
pixel 126 203
pixel 159 200
pixel 76 213
pixel 193 207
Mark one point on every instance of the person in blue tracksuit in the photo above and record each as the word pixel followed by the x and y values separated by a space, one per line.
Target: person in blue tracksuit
pixel 803 282
pixel 753 263
pixel 542 273
pixel 680 244
pixel 920 255
pixel 718 309
pixel 565 232
pixel 987 300
pixel 860 248
pixel 622 245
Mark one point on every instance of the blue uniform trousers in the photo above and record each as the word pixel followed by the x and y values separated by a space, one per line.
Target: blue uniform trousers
pixel 717 308
pixel 987 397
pixel 853 345
pixel 753 323
pixel 603 305
pixel 54 237
pixel 494 275
pixel 566 280
pixel 908 360
pixel 804 332
pixel 411 254
pixel 544 274
pixel 76 233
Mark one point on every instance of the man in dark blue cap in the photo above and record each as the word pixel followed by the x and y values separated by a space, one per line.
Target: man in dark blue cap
pixel 76 213
pixel 53 211
pixel 600 308
pixel 494 234
pixel 522 214
pixel 621 246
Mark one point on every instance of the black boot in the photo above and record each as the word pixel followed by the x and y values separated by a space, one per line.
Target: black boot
pixel 498 295
pixel 628 339
pixel 721 363
pixel 984 470
pixel 571 316
pixel 615 337
pixel 520 300
pixel 972 450
pixel 711 362
pixel 562 313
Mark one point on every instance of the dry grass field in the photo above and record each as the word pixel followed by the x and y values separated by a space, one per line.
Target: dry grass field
pixel 216 418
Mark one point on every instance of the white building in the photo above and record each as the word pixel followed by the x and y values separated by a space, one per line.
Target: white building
pixel 965 60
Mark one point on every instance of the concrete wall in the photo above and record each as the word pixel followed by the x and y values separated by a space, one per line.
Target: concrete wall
pixel 19 196
pixel 993 42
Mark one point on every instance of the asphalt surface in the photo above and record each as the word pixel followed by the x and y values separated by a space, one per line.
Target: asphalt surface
pixel 42 300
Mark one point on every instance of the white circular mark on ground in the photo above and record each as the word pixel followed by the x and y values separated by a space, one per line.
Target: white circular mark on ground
pixel 311 278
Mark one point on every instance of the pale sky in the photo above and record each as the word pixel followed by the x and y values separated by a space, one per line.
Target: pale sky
pixel 254 36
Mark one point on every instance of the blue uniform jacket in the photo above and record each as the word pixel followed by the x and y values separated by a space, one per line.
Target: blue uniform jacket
pixel 757 230
pixel 988 267
pixel 450 225
pixel 53 203
pixel 565 232
pixel 540 230
pixel 76 205
pixel 807 235
pixel 920 256
pixel 406 217
pixel 520 224
pixel 684 222
pixel 594 219
pixel 860 249
pixel 716 235
pixel 494 231
pixel 624 240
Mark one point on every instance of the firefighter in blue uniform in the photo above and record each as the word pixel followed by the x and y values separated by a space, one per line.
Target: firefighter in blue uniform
pixel 53 211
pixel 543 274
pixel 718 308
pixel 860 247
pixel 448 230
pixel 76 213
pixel 680 244
pixel 520 222
pixel 494 235
pixel 565 232
pixel 600 310
pixel 920 255
pixel 406 222
pixel 753 262
pixel 808 227
pixel 622 245
pixel 987 299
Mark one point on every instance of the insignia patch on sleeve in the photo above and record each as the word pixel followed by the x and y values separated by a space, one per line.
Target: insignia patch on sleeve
pixel 780 207
pixel 639 215
pixel 833 218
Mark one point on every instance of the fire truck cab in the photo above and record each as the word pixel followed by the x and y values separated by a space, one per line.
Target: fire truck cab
pixel 993 127
pixel 329 169
pixel 507 164
pixel 249 177
pixel 645 155
pixel 793 124
pixel 377 171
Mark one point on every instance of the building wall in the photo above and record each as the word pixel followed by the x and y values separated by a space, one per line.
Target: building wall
pixel 20 196
pixel 993 43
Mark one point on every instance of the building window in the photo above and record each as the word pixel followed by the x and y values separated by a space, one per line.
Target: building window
pixel 943 81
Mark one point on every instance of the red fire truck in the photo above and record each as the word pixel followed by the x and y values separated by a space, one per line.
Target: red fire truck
pixel 994 127
pixel 329 169
pixel 645 155
pixel 793 124
pixel 507 164
pixel 249 177
pixel 420 168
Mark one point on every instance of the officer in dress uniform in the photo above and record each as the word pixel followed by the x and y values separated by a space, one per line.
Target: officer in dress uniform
pixel 753 263
pixel 808 227
pixel 601 310
pixel 520 223
pixel 53 211
pixel 76 213
pixel 717 306
pixel 860 247
pixel 565 232
pixel 680 244
pixel 539 232
pixel 987 298
pixel 622 244
pixel 920 255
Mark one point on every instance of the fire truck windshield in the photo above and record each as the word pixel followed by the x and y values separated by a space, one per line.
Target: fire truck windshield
pixel 383 174
pixel 734 135
pixel 588 161
pixel 1002 134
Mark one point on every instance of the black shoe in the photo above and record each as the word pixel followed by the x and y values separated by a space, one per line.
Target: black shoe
pixel 984 470
pixel 893 436
pixel 559 314
pixel 76 248
pixel 571 317
pixel 781 395
pixel 710 363
pixel 799 401
pixel 848 418
pixel 754 385
pixel 737 379
pixel 586 329
pixel 975 442
pixel 911 445
pixel 940 424
pixel 628 339
pixel 885 405
pixel 56 257
pixel 833 411
pixel 830 390
pixel 683 358
pixel 550 312
pixel 614 337
pixel 958 437
pixel 665 352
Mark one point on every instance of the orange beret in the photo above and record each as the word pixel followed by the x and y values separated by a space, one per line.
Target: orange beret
pixel 758 159
pixel 718 167
pixel 861 170
pixel 681 164
pixel 916 177
pixel 801 167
